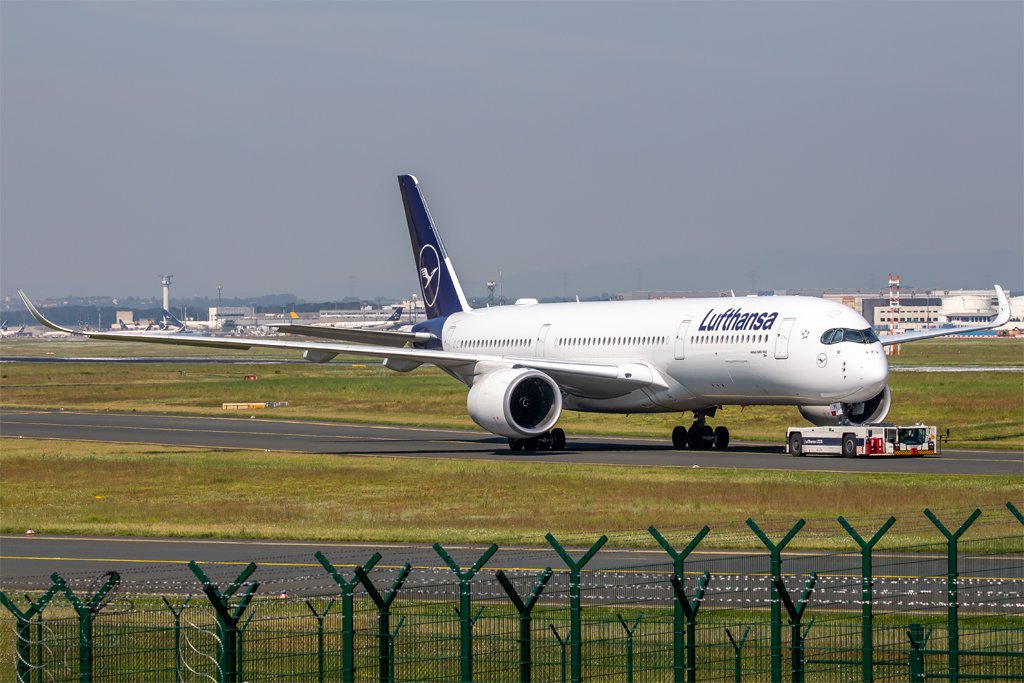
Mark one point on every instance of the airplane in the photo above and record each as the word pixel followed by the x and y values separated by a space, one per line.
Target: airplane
pixel 5 332
pixel 525 363
pixel 168 321
pixel 125 328
pixel 325 330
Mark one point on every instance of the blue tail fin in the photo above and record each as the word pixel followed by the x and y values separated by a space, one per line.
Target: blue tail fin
pixel 395 315
pixel 442 294
pixel 170 320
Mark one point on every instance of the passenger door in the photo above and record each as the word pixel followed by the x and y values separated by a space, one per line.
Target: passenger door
pixel 782 341
pixel 684 329
pixel 542 337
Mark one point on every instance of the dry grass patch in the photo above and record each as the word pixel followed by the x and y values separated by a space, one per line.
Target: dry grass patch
pixel 63 487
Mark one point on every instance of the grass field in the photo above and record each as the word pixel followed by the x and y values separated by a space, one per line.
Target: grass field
pixel 82 488
pixel 981 409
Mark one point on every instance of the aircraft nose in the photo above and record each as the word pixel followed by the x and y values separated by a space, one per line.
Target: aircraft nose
pixel 876 368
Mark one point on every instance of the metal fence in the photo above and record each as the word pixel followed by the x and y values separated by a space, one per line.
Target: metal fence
pixel 912 615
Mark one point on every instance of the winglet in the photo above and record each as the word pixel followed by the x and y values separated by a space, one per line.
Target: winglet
pixel 1001 317
pixel 39 316
pixel 1002 308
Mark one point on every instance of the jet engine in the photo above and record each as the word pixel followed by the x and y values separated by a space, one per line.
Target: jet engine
pixel 515 402
pixel 871 411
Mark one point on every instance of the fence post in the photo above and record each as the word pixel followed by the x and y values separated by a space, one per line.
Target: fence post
pixel 177 634
pixel 918 639
pixel 23 667
pixel 776 558
pixel 867 583
pixel 348 648
pixel 1015 512
pixel 690 610
pixel 738 646
pixel 39 645
pixel 629 643
pixel 575 601
pixel 952 579
pixel 796 613
pixel 86 612
pixel 240 662
pixel 678 558
pixel 383 603
pixel 227 619
pixel 394 635
pixel 561 644
pixel 465 599
pixel 320 637
pixel 524 609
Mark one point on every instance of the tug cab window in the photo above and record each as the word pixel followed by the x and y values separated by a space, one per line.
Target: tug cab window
pixel 913 436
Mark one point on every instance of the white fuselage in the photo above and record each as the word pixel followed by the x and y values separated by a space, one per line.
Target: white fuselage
pixel 707 352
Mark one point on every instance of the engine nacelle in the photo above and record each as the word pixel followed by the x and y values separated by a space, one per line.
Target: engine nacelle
pixel 318 356
pixel 515 402
pixel 871 411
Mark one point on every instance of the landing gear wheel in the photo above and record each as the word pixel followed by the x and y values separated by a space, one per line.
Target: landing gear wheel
pixel 679 435
pixel 515 445
pixel 849 446
pixel 695 438
pixel 557 439
pixel 796 444
pixel 721 438
pixel 530 445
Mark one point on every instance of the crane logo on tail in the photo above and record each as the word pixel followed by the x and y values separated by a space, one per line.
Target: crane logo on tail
pixel 430 270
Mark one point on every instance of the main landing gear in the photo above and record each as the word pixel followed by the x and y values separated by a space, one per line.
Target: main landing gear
pixel 700 436
pixel 553 440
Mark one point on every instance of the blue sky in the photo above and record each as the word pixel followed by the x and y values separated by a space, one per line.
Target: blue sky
pixel 573 147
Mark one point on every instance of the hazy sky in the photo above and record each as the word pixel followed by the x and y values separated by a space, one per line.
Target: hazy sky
pixel 574 147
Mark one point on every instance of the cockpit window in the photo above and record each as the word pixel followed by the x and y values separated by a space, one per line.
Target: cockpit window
pixel 853 336
pixel 834 336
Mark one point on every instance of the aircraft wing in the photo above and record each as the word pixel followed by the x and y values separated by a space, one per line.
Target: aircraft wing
pixel 1001 318
pixel 608 379
pixel 358 335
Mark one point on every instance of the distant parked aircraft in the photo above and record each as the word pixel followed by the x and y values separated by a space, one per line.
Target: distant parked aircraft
pixel 4 332
pixel 329 330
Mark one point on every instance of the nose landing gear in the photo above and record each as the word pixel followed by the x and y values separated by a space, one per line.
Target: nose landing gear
pixel 700 436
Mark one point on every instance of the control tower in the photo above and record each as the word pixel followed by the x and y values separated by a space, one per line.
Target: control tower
pixel 165 280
